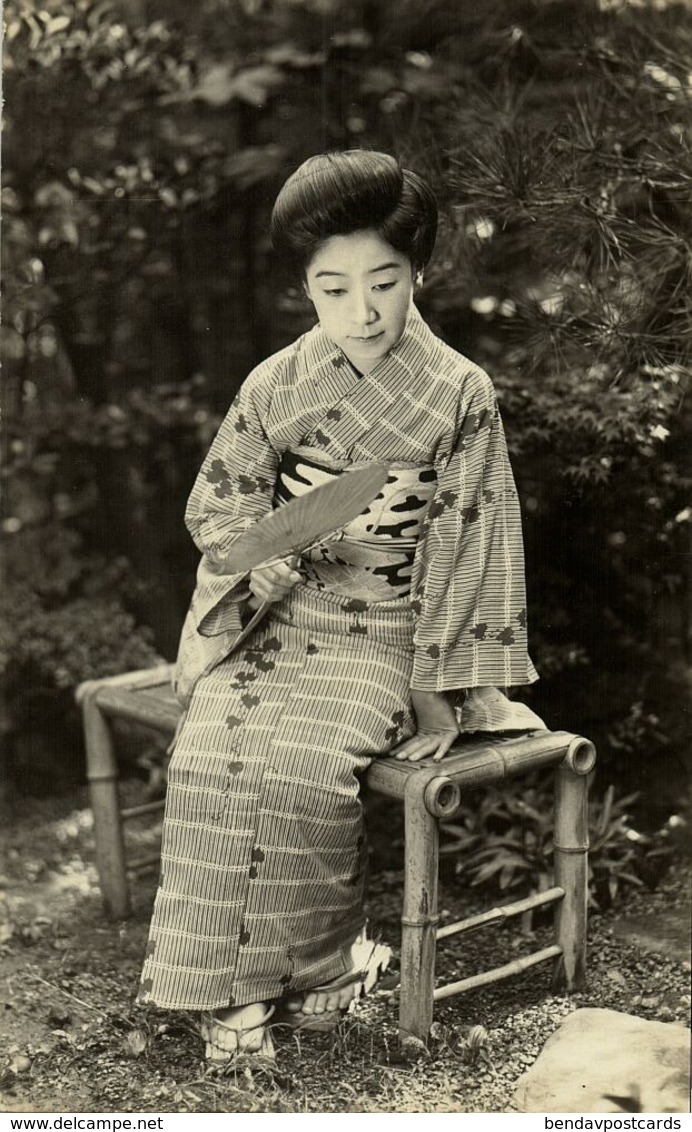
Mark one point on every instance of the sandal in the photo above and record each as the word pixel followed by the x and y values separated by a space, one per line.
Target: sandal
pixel 216 1054
pixel 371 960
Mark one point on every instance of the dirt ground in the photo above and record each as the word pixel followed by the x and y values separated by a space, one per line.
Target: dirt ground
pixel 74 1042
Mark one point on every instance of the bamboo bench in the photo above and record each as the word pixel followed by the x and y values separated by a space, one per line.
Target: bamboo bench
pixel 430 792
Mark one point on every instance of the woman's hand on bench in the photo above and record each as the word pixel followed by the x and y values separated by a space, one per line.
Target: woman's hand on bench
pixel 436 728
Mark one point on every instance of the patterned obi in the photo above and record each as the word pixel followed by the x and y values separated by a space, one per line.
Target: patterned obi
pixel 371 558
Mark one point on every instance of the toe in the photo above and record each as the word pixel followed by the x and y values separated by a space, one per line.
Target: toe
pixel 310 1003
pixel 346 996
pixel 253 1041
pixel 229 1030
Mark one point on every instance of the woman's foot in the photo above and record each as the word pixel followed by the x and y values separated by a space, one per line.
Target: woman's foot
pixel 325 1000
pixel 322 1007
pixel 237 1030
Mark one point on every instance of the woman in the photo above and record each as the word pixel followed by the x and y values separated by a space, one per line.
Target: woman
pixel 366 646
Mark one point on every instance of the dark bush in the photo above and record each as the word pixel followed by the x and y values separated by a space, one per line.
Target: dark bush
pixel 144 145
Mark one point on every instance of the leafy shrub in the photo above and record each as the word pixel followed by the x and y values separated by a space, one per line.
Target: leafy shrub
pixel 52 650
pixel 63 619
pixel 135 258
pixel 505 843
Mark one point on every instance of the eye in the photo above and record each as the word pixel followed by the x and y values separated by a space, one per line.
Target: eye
pixel 336 291
pixel 385 286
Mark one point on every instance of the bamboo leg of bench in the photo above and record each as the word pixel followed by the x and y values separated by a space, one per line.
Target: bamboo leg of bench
pixel 102 772
pixel 571 844
pixel 419 919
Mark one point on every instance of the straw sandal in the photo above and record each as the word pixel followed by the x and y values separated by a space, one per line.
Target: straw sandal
pixel 247 1038
pixel 371 960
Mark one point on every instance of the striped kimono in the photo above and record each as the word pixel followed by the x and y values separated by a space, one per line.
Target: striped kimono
pixel 263 857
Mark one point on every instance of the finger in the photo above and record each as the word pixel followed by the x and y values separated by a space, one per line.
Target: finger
pixel 412 741
pixel 282 575
pixel 271 593
pixel 283 570
pixel 422 744
pixel 268 575
pixel 261 592
pixel 417 745
pixel 423 753
pixel 266 584
pixel 445 746
pixel 258 588
pixel 401 747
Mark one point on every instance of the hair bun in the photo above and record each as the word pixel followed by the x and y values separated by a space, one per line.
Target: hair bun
pixel 334 194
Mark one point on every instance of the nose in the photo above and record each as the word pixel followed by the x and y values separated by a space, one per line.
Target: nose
pixel 363 308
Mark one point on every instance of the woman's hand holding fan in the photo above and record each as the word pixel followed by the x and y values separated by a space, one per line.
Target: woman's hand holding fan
pixel 294 526
pixel 268 551
pixel 273 581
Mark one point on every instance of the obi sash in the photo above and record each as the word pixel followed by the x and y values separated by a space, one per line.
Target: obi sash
pixel 372 556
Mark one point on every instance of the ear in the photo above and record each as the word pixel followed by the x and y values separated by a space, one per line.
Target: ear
pixel 418 279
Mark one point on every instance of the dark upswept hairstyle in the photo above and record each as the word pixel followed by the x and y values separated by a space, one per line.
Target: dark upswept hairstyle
pixel 335 194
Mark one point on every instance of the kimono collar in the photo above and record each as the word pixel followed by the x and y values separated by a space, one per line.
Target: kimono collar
pixel 322 356
pixel 328 404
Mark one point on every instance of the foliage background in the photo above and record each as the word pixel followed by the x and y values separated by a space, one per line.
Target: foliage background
pixel 145 141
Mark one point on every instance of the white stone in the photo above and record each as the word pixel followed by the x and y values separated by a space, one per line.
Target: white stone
pixel 604 1061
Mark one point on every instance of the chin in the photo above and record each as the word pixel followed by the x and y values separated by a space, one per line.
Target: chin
pixel 367 362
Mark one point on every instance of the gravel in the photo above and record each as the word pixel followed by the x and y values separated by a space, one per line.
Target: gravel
pixel 76 1043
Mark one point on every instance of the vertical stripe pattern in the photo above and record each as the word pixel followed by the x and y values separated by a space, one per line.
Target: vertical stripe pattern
pixel 263 845
pixel 263 860
pixel 423 404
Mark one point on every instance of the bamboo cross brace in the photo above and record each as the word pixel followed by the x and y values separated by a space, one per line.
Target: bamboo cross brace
pixel 141 863
pixel 505 912
pixel 139 811
pixel 497 973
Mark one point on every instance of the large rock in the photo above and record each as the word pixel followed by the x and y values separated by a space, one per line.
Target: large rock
pixel 604 1061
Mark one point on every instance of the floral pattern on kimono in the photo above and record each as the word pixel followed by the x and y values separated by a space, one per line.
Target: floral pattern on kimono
pixel 424 403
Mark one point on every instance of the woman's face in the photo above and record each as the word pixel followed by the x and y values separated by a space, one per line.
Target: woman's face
pixel 361 289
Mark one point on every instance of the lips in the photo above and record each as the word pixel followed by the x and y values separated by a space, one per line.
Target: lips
pixel 370 338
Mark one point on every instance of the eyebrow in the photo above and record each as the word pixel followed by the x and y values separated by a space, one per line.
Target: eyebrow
pixel 382 267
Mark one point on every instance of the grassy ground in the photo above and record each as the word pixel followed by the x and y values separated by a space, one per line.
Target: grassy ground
pixel 74 1042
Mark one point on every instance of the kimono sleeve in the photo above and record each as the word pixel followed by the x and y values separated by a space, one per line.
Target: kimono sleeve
pixel 468 587
pixel 234 488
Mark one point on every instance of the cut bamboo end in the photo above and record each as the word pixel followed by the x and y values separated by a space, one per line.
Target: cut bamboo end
pixel 504 912
pixel 442 797
pixel 580 756
pixel 517 967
